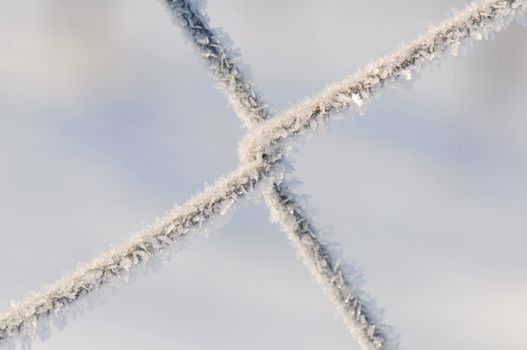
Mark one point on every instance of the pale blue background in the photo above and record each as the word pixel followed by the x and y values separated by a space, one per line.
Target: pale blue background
pixel 107 119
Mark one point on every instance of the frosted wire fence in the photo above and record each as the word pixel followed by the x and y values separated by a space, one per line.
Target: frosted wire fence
pixel 262 152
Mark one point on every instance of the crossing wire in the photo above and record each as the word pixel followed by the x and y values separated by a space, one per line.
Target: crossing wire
pixel 339 280
pixel 262 153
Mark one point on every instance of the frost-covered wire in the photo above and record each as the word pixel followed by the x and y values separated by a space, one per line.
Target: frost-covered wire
pixel 340 281
pixel 222 59
pixel 478 21
pixel 23 321
pixel 324 263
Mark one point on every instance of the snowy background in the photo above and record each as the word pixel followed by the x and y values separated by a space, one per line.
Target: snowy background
pixel 107 119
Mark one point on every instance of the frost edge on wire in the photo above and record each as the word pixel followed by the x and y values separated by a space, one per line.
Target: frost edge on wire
pixel 341 281
pixel 29 318
pixel 475 23
pixel 222 59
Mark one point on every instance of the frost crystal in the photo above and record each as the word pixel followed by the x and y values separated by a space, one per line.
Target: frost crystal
pixel 357 99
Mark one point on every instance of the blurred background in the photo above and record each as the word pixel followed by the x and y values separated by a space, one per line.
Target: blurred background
pixel 107 119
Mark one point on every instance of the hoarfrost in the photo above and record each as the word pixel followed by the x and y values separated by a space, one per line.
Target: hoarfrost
pixel 142 254
pixel 477 21
pixel 316 253
pixel 256 113
pixel 341 281
pixel 357 99
pixel 263 151
pixel 222 59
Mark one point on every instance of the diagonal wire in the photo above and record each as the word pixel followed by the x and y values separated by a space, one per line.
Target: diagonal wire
pixel 476 22
pixel 25 318
pixel 223 62
pixel 323 262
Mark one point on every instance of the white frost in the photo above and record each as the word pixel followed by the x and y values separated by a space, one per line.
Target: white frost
pixel 60 302
pixel 65 299
pixel 324 264
pixel 478 20
pixel 222 59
